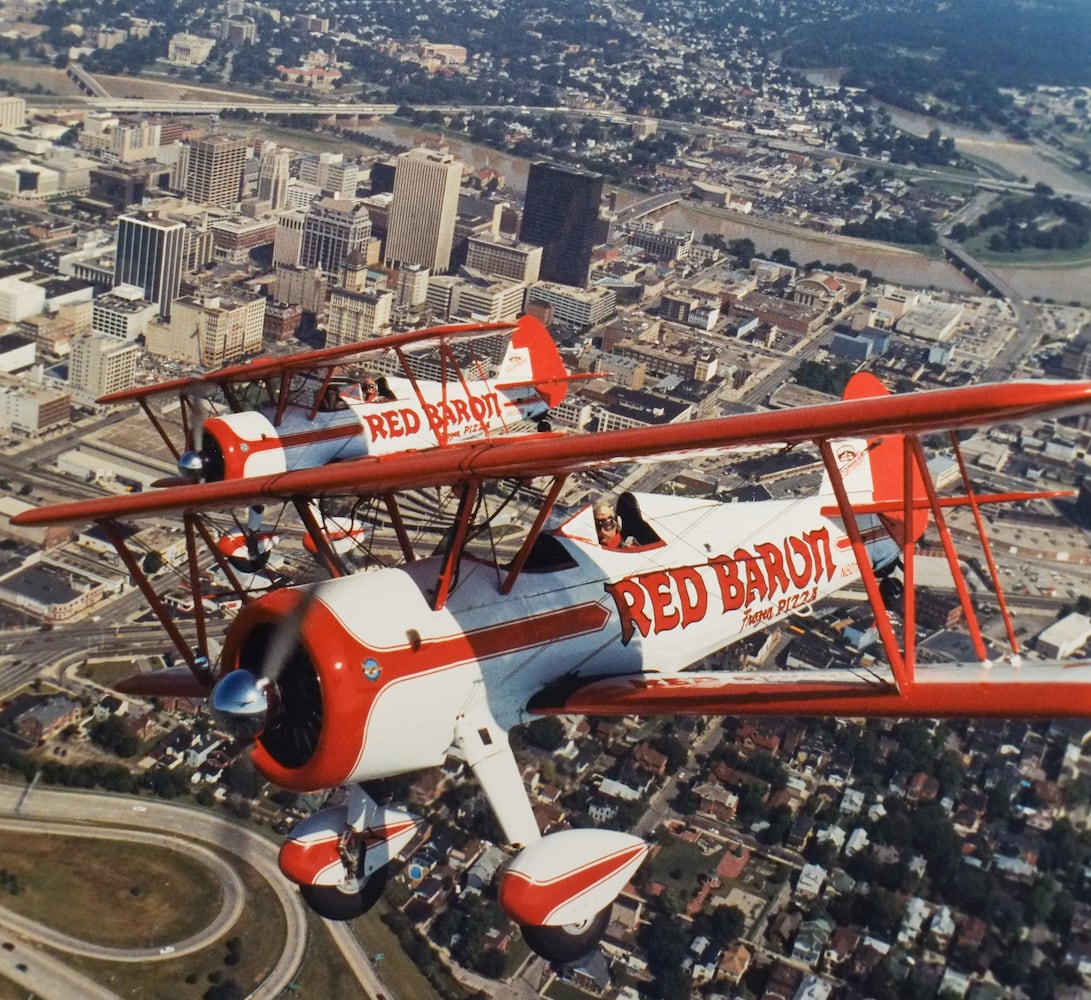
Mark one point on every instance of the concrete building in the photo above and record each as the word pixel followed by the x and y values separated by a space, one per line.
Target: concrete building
pixel 100 364
pixel 475 296
pixel 149 254
pixel 19 299
pixel 356 316
pixel 25 179
pixel 288 238
pixel 331 173
pixel 577 308
pixel 30 408
pixel 235 239
pixel 412 289
pixel 185 49
pixel 302 286
pixel 215 169
pixel 424 209
pixel 13 112
pixel 273 175
pixel 504 258
pixel 332 230
pixel 209 329
pixel 1064 637
pixel 123 314
pixel 17 352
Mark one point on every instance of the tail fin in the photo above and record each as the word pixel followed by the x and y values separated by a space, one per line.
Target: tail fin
pixel 873 471
pixel 532 359
pixel 887 457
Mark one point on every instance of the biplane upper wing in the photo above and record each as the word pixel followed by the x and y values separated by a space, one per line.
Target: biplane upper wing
pixel 549 454
pixel 267 367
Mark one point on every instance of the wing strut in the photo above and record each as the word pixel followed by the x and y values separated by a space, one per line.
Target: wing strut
pixel 1001 600
pixel 195 583
pixel 398 524
pixel 949 550
pixel 161 430
pixel 544 511
pixel 329 558
pixel 466 504
pixel 902 671
pixel 110 529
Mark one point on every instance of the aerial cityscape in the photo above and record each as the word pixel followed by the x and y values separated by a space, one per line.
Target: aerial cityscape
pixel 647 223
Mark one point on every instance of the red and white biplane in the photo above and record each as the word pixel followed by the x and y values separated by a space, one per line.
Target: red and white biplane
pixel 374 674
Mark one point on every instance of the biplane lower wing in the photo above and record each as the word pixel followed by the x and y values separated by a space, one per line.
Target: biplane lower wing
pixel 549 454
pixel 1006 690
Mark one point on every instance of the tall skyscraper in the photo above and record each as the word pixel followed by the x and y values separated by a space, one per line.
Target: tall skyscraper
pixel 149 255
pixel 215 168
pixel 273 175
pixel 562 217
pixel 332 230
pixel 424 209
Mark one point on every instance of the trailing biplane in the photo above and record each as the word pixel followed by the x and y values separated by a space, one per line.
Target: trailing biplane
pixel 375 674
pixel 303 410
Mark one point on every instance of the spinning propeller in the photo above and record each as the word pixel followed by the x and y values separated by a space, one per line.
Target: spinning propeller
pixel 274 694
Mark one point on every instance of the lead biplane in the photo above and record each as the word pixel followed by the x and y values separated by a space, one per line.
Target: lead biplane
pixel 378 673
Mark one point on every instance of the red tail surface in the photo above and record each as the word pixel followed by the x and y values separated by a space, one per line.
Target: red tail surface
pixel 887 457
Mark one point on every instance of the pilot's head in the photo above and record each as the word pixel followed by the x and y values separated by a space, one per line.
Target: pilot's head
pixel 606 526
pixel 370 389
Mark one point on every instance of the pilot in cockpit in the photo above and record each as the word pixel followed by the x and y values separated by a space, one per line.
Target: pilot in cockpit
pixel 608 526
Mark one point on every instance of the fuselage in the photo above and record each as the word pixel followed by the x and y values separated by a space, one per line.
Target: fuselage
pixel 254 443
pixel 389 664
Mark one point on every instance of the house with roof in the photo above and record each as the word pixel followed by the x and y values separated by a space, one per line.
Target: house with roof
pixel 47 718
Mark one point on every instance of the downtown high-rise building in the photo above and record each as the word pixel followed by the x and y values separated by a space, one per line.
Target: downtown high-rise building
pixel 149 255
pixel 332 230
pixel 214 170
pixel 424 209
pixel 273 175
pixel 561 216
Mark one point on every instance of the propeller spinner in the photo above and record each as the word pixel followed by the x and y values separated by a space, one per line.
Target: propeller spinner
pixel 240 704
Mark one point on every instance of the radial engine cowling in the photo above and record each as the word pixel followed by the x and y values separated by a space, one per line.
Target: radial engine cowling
pixel 313 672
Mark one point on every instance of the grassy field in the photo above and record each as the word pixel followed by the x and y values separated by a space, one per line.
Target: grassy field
pixel 978 247
pixel 77 886
pixel 396 969
pixel 679 865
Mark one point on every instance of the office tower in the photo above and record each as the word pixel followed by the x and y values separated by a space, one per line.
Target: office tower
pixel 504 258
pixel 412 285
pixel 332 230
pixel 331 174
pixel 424 209
pixel 273 175
pixel 356 316
pixel 215 169
pixel 100 363
pixel 562 217
pixel 149 255
pixel 288 241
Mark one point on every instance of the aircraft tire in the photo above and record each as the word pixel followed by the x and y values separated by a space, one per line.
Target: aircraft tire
pixel 333 903
pixel 567 942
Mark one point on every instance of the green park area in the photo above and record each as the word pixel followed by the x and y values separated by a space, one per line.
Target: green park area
pixel 153 898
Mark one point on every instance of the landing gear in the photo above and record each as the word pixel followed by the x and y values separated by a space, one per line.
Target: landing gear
pixel 340 856
pixel 567 942
pixel 348 899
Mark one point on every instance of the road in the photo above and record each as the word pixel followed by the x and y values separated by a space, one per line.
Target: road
pixel 109 812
